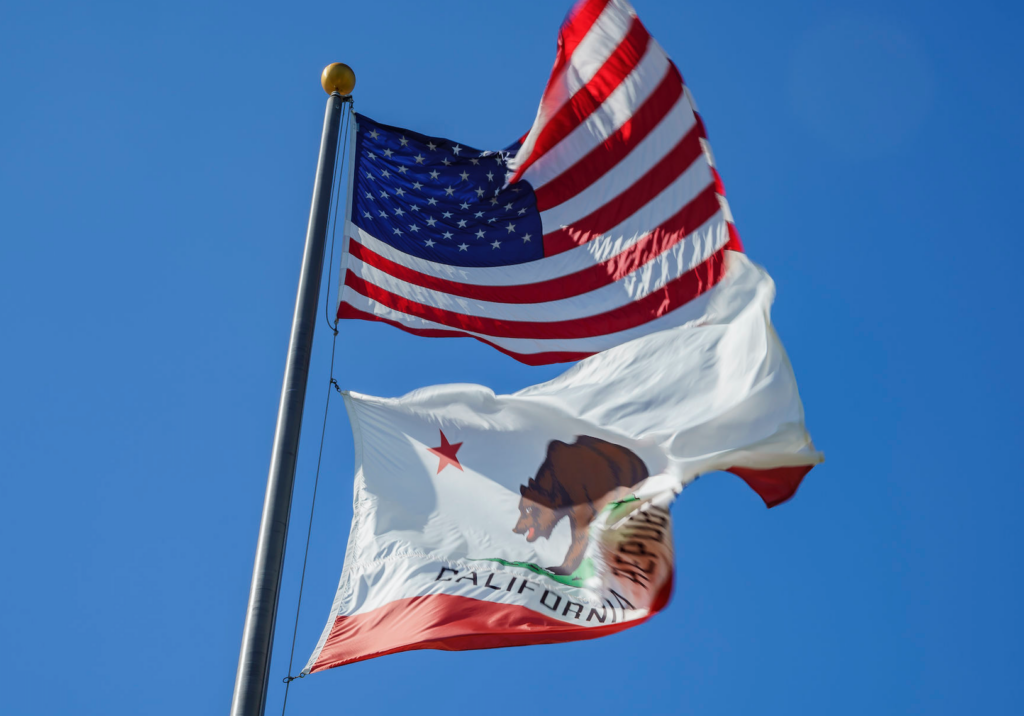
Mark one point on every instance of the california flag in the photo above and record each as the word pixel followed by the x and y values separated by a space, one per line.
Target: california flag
pixel 485 520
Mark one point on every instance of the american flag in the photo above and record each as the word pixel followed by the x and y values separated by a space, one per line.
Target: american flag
pixel 607 221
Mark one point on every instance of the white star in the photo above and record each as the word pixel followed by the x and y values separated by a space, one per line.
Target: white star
pixel 463 247
pixel 398 231
pixel 463 206
pixel 404 141
pixel 447 234
pixel 526 238
pixel 414 228
pixel 431 201
pixel 368 215
pixel 387 153
pixel 370 176
pixel 383 214
pixel 494 200
pixel 417 186
pixel 480 234
pixel 429 243
pixel 475 161
pixel 511 227
pixel 490 176
pixel 385 173
pixel 371 155
pixel 496 244
pixel 497 158
pixel 462 223
pixel 434 174
pixel 383 195
pixel 374 134
pixel 450 191
pixel 446 163
pixel 431 146
pixel 478 214
pixel 413 207
pixel 419 158
pixel 399 212
pixel 400 191
pixel 370 196
pixel 480 193
pixel 402 170
pixel 464 175
pixel 447 214
pixel 431 221
pixel 456 149
pixel 522 211
pixel 508 207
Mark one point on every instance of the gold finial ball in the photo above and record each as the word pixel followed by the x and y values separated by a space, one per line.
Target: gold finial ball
pixel 338 77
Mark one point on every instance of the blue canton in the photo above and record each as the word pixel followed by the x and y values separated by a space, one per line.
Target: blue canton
pixel 441 201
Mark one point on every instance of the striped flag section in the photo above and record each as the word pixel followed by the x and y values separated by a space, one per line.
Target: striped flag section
pixel 606 223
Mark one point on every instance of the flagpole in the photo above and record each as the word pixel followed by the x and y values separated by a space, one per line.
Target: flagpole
pixel 252 677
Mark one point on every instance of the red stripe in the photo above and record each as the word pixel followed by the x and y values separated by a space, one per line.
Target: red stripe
pixel 612 213
pixel 734 239
pixel 718 181
pixel 583 104
pixel 674 294
pixel 346 310
pixel 775 486
pixel 453 623
pixel 576 26
pixel 605 156
pixel 657 242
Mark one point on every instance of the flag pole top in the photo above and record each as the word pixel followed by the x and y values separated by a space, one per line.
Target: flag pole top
pixel 338 77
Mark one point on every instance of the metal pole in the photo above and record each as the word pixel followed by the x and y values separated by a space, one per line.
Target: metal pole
pixel 251 680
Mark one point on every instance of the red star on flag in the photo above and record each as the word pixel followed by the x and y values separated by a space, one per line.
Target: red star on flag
pixel 446 453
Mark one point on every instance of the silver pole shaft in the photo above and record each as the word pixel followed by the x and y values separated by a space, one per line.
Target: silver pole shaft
pixel 251 680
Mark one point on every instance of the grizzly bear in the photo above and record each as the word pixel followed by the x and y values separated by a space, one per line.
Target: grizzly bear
pixel 576 481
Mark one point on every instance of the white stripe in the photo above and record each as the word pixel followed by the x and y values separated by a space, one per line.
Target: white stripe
pixel 697 248
pixel 724 203
pixel 605 120
pixel 711 306
pixel 646 155
pixel 706 147
pixel 597 46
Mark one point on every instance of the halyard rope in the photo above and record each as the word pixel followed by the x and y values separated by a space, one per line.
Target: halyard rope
pixel 343 140
pixel 341 153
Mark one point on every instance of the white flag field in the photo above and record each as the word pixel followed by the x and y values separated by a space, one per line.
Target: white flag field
pixel 485 520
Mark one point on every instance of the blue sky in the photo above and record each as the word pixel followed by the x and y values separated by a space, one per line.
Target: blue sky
pixel 156 162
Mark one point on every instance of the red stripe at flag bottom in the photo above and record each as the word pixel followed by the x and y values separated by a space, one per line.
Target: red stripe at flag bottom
pixel 453 623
